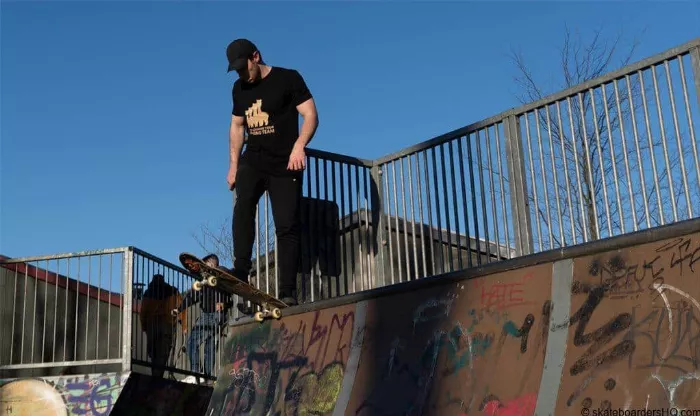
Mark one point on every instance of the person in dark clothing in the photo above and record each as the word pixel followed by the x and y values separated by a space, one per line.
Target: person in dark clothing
pixel 267 101
pixel 214 305
pixel 158 325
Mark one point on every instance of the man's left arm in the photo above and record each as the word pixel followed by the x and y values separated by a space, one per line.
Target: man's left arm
pixel 306 107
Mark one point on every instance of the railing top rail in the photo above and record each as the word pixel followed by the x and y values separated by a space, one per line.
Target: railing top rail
pixel 161 261
pixel 463 131
pixel 443 138
pixel 610 76
pixel 337 157
pixel 59 256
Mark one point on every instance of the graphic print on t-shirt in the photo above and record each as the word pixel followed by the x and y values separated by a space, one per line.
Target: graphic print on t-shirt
pixel 258 120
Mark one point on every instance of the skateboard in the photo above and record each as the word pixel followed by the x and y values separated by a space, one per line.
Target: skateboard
pixel 211 276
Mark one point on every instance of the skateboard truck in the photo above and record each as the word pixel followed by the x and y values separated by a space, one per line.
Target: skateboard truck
pixel 209 280
pixel 267 312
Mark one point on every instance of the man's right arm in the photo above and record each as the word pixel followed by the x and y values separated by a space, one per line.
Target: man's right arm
pixel 236 139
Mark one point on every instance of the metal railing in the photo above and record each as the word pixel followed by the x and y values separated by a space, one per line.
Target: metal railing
pixel 78 312
pixel 338 239
pixel 65 310
pixel 615 154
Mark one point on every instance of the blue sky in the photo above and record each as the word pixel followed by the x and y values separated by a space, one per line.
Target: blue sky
pixel 114 116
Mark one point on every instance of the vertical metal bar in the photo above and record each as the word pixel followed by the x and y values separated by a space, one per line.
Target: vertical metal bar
pixel 574 145
pixel 492 190
pixel 109 309
pixel 499 159
pixel 312 247
pixel 470 162
pixel 420 213
pixel 360 239
pixel 614 160
pixel 560 218
pixel 544 180
pixel 643 181
pixel 695 62
pixel 99 303
pixel 368 232
pixel 46 298
pixel 77 304
pixel 266 247
pixel 405 220
pixel 352 233
pixel 465 205
pixel 439 214
pixel 447 206
pixel 566 173
pixel 343 228
pixel 480 165
pixel 257 246
pixel 126 284
pixel 624 151
pixel 695 59
pixel 606 203
pixel 378 205
pixel 65 313
pixel 389 237
pixel 590 185
pixel 456 209
pixel 55 309
pixel 87 305
pixel 396 220
pixel 681 154
pixel 326 232
pixel 534 182
pixel 430 209
pixel 14 315
pixel 651 148
pixel 318 228
pixel 413 217
pixel 519 196
pixel 662 128
pixel 335 236
pixel 34 308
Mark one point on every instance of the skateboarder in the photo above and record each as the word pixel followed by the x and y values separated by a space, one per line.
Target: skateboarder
pixel 214 305
pixel 267 101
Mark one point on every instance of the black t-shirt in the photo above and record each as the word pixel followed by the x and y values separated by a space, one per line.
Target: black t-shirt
pixel 272 119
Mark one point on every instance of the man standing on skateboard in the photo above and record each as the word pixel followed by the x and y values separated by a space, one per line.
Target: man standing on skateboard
pixel 267 101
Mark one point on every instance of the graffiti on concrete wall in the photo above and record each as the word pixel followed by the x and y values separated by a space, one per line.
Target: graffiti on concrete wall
pixel 294 366
pixel 625 326
pixel 93 394
pixel 454 353
pixel 634 330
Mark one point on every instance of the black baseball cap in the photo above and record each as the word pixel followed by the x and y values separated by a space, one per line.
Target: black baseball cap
pixel 238 53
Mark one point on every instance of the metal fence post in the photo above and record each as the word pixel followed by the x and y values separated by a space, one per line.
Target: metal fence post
pixel 127 305
pixel 522 225
pixel 377 190
pixel 695 61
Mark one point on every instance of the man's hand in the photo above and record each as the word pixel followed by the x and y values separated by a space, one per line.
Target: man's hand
pixel 297 159
pixel 231 177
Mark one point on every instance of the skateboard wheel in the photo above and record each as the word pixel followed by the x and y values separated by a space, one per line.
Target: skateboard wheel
pixel 259 316
pixel 276 313
pixel 211 280
pixel 197 286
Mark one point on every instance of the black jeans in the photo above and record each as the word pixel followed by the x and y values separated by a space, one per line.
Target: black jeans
pixel 285 193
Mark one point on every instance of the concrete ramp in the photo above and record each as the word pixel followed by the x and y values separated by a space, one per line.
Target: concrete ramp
pixel 606 325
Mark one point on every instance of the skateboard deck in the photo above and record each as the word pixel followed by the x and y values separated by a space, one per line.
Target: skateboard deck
pixel 207 275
